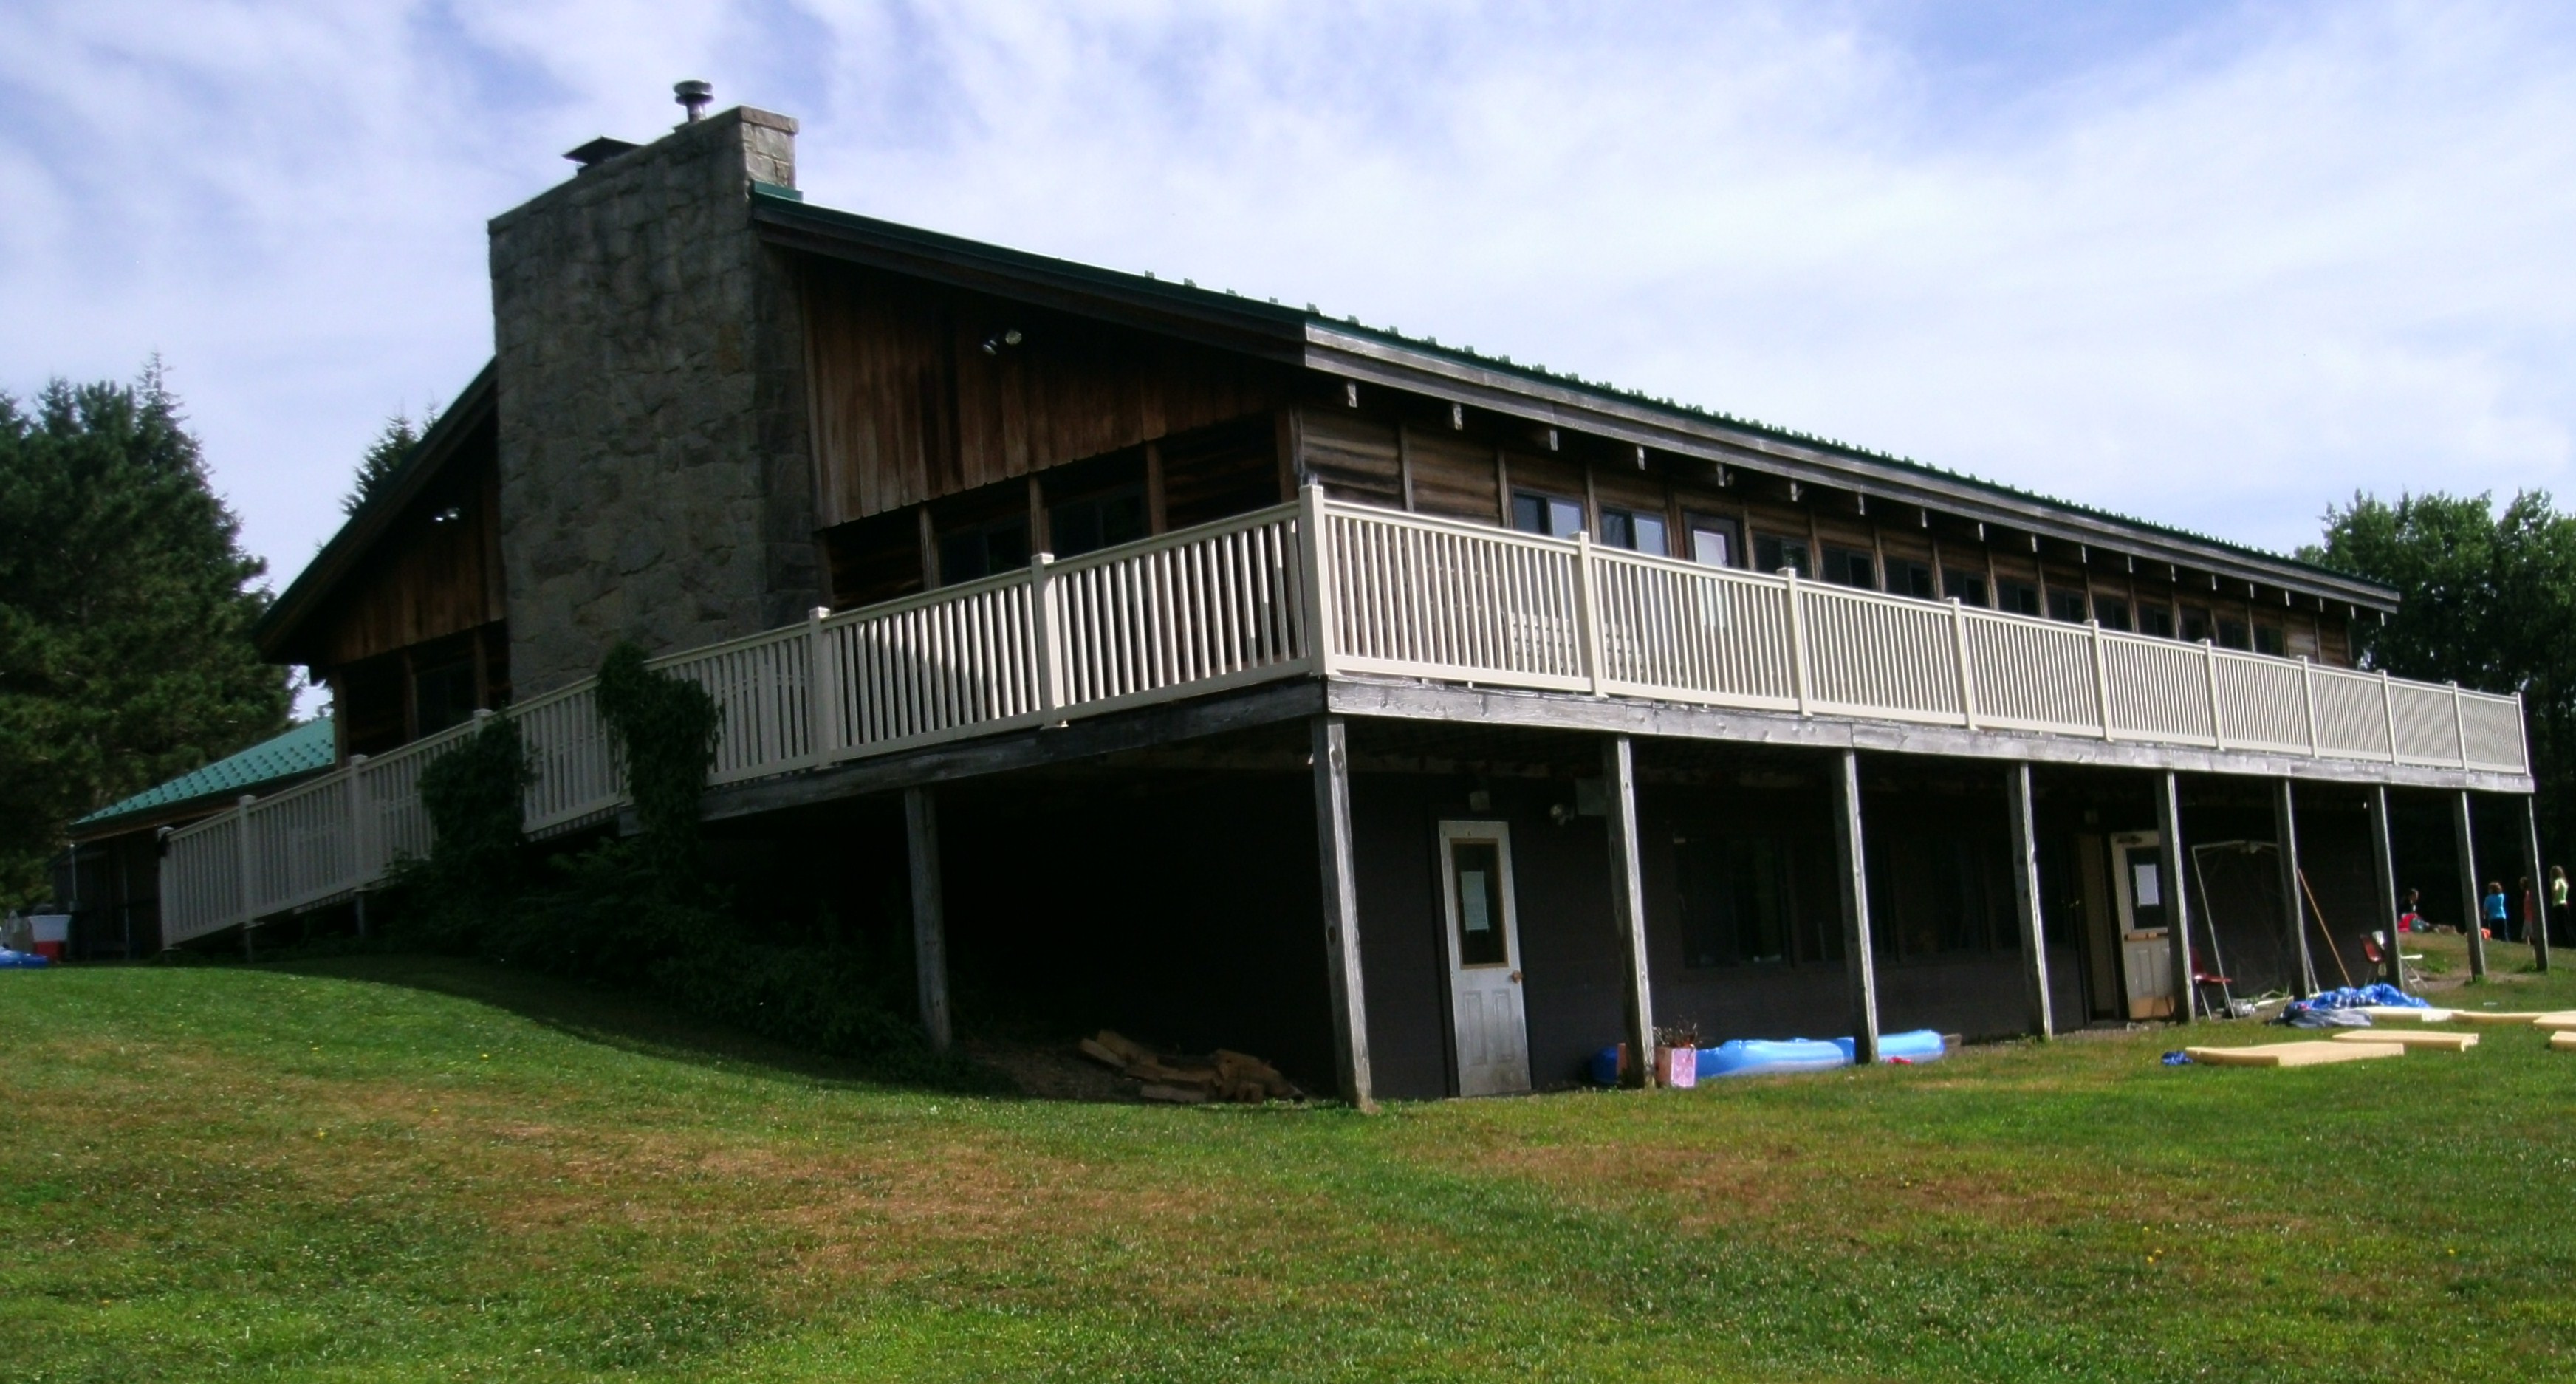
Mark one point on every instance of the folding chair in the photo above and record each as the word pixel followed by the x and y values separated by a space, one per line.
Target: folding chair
pixel 2201 980
pixel 2374 950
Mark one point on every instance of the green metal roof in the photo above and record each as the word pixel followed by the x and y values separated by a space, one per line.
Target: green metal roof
pixel 306 749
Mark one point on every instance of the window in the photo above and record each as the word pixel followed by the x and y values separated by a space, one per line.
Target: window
pixel 1714 542
pixel 442 697
pixel 2231 634
pixel 1741 901
pixel 2267 640
pixel 2018 597
pixel 1964 586
pixel 2113 613
pixel 1851 567
pixel 1552 516
pixel 2195 624
pixel 1771 553
pixel 1911 579
pixel 1096 521
pixel 983 550
pixel 1634 529
pixel 2156 620
pixel 1476 877
pixel 2066 605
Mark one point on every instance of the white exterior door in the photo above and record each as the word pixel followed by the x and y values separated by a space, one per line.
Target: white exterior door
pixel 1484 958
pixel 2146 948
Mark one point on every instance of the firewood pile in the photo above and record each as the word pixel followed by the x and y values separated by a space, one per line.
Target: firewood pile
pixel 1184 1080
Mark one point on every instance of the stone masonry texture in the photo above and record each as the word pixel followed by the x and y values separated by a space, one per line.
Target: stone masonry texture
pixel 655 472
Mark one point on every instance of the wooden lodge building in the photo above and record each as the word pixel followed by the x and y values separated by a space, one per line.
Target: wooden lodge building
pixel 1232 674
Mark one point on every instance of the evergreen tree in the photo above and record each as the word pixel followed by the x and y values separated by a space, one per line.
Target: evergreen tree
pixel 384 457
pixel 125 612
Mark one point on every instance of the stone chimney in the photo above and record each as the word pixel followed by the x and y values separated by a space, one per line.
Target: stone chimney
pixel 655 480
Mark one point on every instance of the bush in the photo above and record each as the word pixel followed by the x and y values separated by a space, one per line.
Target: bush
pixel 641 913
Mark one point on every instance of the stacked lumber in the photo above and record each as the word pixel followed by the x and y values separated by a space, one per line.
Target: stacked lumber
pixel 1190 1080
pixel 2412 1038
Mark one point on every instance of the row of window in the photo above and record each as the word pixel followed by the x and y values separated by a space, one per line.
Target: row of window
pixel 1074 527
pixel 1719 542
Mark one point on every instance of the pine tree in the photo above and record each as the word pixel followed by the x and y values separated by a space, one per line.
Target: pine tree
pixel 125 612
pixel 384 457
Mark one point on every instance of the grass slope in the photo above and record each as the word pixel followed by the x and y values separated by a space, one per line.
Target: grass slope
pixel 394 1168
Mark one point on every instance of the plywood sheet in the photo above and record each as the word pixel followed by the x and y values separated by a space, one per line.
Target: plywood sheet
pixel 2560 1022
pixel 2562 1042
pixel 2311 1054
pixel 2402 1014
pixel 2415 1038
pixel 2500 1016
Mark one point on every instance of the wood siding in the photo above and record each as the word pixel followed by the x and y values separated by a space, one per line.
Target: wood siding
pixel 909 407
pixel 437 573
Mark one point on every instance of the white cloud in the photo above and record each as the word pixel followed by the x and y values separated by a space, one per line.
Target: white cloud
pixel 2219 272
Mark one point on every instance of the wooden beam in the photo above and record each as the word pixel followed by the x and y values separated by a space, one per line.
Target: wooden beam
pixel 1638 716
pixel 2170 863
pixel 929 927
pixel 1154 512
pixel 2537 925
pixel 2026 896
pixel 2285 834
pixel 1628 899
pixel 2473 920
pixel 2383 864
pixel 1851 859
pixel 1341 899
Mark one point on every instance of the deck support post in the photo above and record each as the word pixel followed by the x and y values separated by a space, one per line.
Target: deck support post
pixel 1852 862
pixel 929 924
pixel 2285 833
pixel 1341 899
pixel 2537 925
pixel 2473 923
pixel 2025 875
pixel 249 858
pixel 2177 898
pixel 2383 862
pixel 1628 899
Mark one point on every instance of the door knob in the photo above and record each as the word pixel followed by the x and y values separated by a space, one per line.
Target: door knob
pixel 1516 977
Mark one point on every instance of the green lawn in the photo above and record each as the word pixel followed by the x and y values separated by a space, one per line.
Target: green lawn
pixel 386 1168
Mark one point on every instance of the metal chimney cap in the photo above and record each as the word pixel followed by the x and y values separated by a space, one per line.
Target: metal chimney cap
pixel 694 95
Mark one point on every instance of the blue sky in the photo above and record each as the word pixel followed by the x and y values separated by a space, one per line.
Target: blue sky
pixel 2215 264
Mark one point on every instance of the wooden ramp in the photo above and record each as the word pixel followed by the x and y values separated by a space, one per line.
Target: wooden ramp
pixel 2562 1042
pixel 2560 1022
pixel 2310 1054
pixel 2413 1038
pixel 2500 1016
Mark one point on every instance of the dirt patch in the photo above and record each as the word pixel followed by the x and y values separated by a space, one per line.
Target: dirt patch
pixel 1053 1071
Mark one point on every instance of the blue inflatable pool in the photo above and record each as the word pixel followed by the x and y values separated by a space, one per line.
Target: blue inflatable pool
pixel 1757 1056
pixel 29 960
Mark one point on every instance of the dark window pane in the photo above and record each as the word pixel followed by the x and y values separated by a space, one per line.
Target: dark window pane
pixel 2267 640
pixel 983 550
pixel 2156 620
pixel 1969 588
pixel 1851 567
pixel 1771 552
pixel 2231 634
pixel 2066 605
pixel 442 697
pixel 1477 877
pixel 2195 624
pixel 1911 579
pixel 1097 521
pixel 1529 513
pixel 1618 528
pixel 2018 597
pixel 2113 614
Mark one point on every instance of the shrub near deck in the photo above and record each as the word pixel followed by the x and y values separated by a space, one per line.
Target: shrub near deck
pixel 394 1168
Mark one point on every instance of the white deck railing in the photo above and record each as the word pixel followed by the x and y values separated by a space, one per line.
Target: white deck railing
pixel 1236 602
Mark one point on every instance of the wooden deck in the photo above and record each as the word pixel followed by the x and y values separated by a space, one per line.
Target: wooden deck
pixel 1372 599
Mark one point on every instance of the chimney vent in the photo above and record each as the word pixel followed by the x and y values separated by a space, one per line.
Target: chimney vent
pixel 598 151
pixel 693 95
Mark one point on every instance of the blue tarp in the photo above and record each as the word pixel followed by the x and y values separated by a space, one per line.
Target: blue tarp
pixel 17 959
